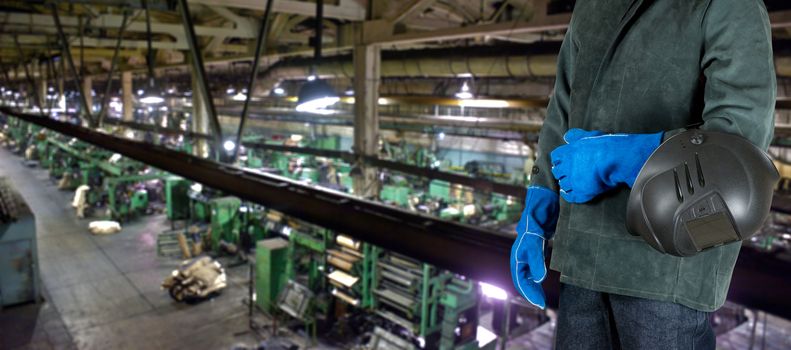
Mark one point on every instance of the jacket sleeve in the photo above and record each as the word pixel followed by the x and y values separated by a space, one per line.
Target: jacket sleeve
pixel 556 121
pixel 737 61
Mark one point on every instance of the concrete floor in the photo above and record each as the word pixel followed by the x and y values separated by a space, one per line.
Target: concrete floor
pixel 102 292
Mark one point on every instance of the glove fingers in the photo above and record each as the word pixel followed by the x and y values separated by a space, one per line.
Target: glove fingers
pixel 574 135
pixel 566 185
pixel 533 293
pixel 558 155
pixel 535 261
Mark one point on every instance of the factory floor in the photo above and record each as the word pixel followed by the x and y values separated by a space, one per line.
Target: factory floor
pixel 102 292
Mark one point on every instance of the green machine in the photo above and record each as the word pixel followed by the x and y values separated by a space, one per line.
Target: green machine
pixel 431 304
pixel 176 198
pixel 124 199
pixel 271 260
pixel 225 221
pixel 395 194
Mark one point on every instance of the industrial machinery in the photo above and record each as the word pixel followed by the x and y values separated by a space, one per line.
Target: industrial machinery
pixel 195 279
pixel 19 278
pixel 322 280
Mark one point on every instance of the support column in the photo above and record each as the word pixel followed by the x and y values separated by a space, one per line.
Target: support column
pixel 61 82
pixel 87 86
pixel 367 62
pixel 200 120
pixel 127 97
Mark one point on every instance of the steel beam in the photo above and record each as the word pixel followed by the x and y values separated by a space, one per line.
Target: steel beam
pixel 64 42
pixel 391 228
pixel 759 279
pixel 259 47
pixel 200 75
pixel 113 64
pixel 542 24
pixel 30 80
pixel 44 23
pixel 409 9
pixel 346 9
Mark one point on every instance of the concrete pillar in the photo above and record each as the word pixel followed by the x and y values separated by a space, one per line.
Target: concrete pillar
pixel 61 82
pixel 127 96
pixel 200 121
pixel 367 62
pixel 87 86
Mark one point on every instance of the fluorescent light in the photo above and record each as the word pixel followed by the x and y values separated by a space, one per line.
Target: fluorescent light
pixel 493 292
pixel 482 103
pixel 318 105
pixel 311 77
pixel 229 145
pixel 152 100
pixel 279 91
pixel 230 91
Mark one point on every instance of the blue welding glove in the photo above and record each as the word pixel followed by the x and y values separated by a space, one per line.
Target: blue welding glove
pixel 537 224
pixel 592 162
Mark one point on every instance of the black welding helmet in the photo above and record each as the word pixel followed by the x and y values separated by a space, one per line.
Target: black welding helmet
pixel 699 190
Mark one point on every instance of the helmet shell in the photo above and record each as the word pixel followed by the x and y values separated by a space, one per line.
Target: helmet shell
pixel 699 190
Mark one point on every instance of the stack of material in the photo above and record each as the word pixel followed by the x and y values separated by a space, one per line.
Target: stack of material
pixel 344 275
pixel 80 200
pixel 104 227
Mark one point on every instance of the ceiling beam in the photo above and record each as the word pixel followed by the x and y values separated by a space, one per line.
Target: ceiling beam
pixel 540 24
pixel 346 9
pixel 45 24
pixel 409 9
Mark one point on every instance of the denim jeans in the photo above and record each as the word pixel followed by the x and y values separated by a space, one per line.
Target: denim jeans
pixel 594 320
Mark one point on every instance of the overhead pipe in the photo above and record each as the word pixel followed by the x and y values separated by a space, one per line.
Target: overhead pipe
pixel 509 61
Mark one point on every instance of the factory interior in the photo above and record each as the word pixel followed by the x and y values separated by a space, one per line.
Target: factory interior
pixel 299 174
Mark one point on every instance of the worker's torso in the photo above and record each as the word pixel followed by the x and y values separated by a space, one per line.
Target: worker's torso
pixel 636 70
pixel 637 67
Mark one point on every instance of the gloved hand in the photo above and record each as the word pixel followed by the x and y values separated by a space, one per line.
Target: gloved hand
pixel 592 162
pixel 527 254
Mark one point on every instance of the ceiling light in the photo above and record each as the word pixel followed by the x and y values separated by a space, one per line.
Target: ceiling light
pixel 279 91
pixel 140 92
pixel 230 91
pixel 311 77
pixel 484 103
pixel 152 96
pixel 315 96
pixel 229 145
pixel 464 93
pixel 239 96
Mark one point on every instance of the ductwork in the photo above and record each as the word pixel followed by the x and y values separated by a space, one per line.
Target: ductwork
pixel 503 61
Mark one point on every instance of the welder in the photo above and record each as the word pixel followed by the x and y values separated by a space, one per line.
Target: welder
pixel 632 74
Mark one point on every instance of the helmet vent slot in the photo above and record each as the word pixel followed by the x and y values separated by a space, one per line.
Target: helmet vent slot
pixel 690 188
pixel 701 179
pixel 679 194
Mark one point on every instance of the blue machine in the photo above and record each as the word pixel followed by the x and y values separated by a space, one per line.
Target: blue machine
pixel 19 279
